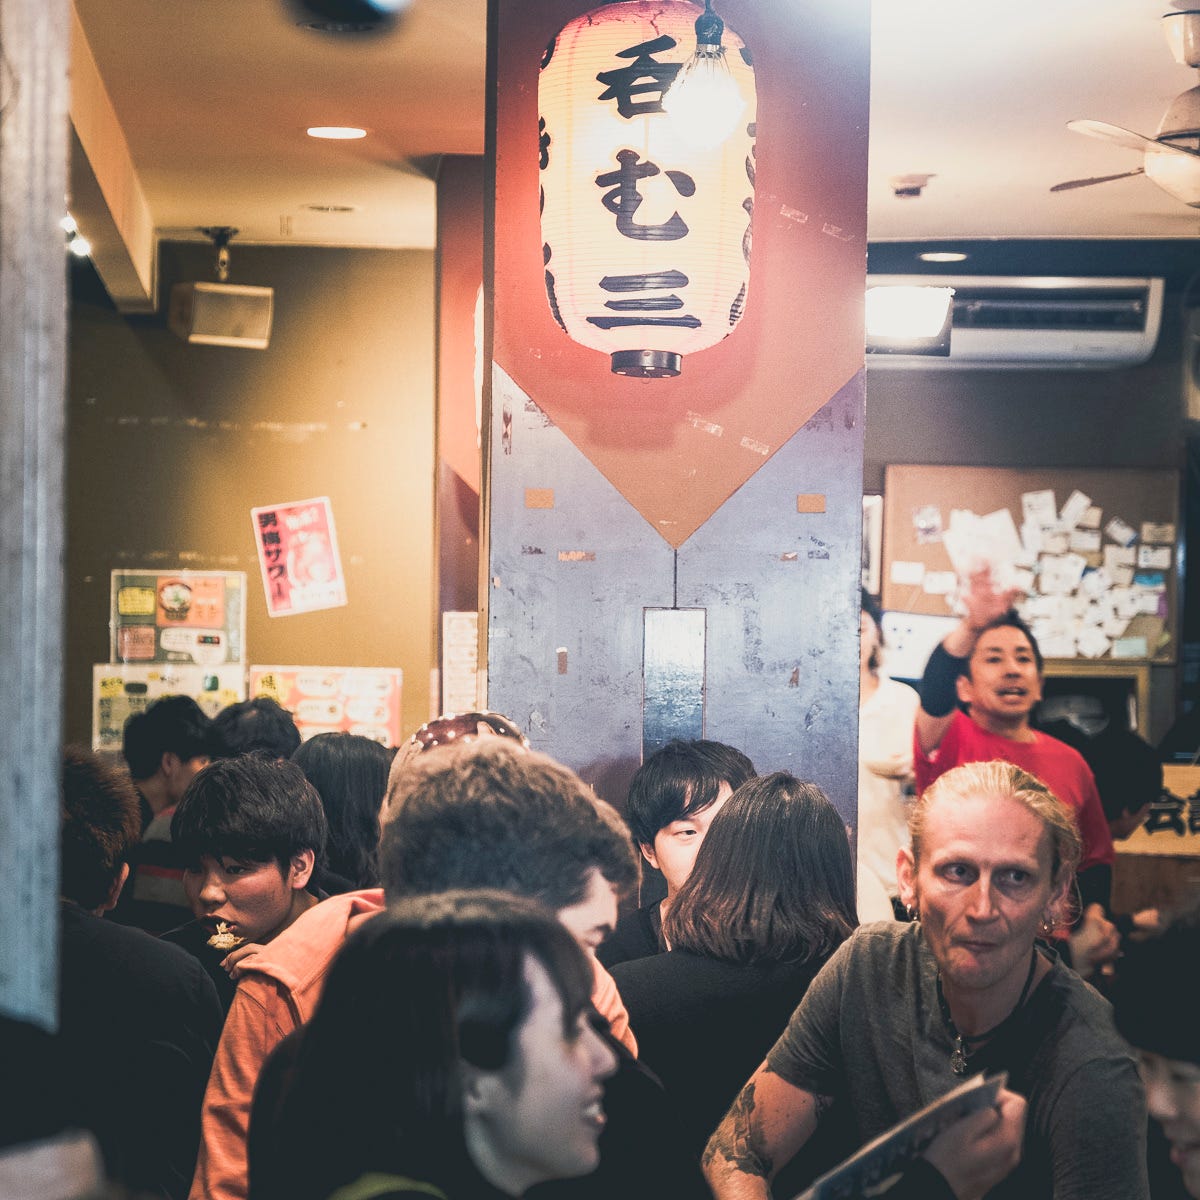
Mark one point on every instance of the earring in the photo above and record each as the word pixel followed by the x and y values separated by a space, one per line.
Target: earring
pixel 1047 925
pixel 914 913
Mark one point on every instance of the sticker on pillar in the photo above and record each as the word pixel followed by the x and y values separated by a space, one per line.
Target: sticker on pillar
pixel 298 552
pixel 647 157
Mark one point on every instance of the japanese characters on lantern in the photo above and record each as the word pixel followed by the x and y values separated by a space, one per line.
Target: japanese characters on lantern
pixel 646 235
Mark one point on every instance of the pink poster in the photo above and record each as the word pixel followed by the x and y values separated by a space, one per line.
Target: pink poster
pixel 298 551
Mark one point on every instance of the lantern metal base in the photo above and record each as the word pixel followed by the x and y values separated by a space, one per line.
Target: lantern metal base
pixel 647 364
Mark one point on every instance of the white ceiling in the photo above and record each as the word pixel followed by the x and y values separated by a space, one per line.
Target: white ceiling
pixel 214 96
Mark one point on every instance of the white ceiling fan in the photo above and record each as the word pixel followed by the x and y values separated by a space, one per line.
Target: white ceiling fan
pixel 1170 159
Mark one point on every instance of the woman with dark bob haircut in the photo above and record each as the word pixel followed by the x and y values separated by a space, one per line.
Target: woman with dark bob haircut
pixel 452 1056
pixel 769 900
pixel 350 774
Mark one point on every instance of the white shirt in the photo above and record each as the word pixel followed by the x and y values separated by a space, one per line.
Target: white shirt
pixel 885 734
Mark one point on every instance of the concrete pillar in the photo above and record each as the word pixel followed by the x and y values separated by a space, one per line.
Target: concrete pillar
pixel 33 175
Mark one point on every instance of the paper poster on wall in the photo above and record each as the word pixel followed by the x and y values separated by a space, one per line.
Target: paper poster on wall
pixel 121 689
pixel 362 700
pixel 298 553
pixel 177 616
pixel 460 661
pixel 908 641
pixel 872 543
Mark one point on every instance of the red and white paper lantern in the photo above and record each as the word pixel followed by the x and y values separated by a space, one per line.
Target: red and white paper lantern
pixel 646 234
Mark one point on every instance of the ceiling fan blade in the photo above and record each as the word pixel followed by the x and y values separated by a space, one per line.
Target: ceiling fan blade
pixel 1113 133
pixel 1078 183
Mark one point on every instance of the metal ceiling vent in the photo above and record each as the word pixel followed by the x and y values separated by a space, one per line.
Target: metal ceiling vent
pixel 1002 321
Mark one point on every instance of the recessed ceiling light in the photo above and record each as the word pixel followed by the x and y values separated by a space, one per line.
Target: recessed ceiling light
pixel 340 26
pixel 336 133
pixel 942 256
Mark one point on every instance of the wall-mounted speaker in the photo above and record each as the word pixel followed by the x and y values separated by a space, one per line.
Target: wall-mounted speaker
pixel 222 314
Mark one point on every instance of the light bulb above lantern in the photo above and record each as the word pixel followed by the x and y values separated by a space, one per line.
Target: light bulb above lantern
pixel 704 102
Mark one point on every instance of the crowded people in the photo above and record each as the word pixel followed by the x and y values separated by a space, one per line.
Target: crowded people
pixel 461 1024
pixel 990 663
pixel 673 798
pixel 138 1019
pixel 481 815
pixel 350 774
pixel 164 747
pixel 771 896
pixel 250 831
pixel 259 725
pixel 753 968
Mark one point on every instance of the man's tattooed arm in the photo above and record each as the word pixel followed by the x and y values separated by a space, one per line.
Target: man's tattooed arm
pixel 769 1121
pixel 735 1140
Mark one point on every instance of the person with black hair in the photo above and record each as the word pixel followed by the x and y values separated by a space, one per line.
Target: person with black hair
pixel 165 747
pixel 138 1019
pixel 350 774
pixel 467 813
pixel 770 898
pixel 1154 1001
pixel 673 798
pixel 259 725
pixel 464 1020
pixel 1129 777
pixel 251 832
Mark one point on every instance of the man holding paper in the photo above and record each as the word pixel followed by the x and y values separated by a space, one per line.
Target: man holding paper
pixel 902 1012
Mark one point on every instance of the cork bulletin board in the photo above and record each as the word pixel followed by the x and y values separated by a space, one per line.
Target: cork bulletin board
pixel 1096 551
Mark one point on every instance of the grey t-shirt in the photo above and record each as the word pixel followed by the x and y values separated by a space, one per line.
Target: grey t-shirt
pixel 869 1032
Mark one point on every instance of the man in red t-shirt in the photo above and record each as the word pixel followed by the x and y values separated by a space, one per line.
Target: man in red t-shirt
pixel 991 664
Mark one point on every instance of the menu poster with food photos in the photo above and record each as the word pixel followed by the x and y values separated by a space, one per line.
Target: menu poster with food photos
pixel 362 700
pixel 178 617
pixel 298 552
pixel 121 689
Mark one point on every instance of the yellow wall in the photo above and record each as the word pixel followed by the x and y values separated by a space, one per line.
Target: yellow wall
pixel 171 445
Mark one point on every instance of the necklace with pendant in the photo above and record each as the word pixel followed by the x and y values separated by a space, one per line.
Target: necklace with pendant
pixel 963 1042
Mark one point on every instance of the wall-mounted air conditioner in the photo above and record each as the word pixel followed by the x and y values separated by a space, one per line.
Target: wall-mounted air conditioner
pixel 1002 321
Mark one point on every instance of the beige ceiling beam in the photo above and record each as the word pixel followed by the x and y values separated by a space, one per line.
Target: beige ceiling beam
pixel 106 198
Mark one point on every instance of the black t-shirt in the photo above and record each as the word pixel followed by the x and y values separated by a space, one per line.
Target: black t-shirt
pixel 139 1023
pixel 637 935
